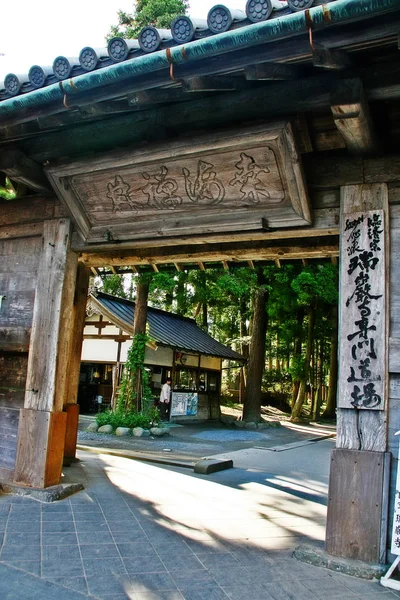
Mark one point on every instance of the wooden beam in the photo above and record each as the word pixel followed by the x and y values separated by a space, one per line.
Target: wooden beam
pixel 251 264
pixel 156 96
pixel 155 268
pixel 113 271
pixel 94 271
pixel 278 263
pixel 20 168
pixel 199 255
pixel 225 265
pixel 115 338
pixel 269 71
pixel 330 59
pixel 178 267
pixel 352 117
pixel 220 83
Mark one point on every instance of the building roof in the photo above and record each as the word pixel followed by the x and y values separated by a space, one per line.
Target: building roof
pixel 165 328
pixel 223 43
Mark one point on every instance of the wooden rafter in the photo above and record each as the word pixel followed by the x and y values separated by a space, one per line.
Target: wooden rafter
pixel 330 59
pixel 19 167
pixel 271 71
pixel 352 117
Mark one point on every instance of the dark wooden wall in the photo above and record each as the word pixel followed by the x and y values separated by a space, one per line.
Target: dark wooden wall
pixel 18 272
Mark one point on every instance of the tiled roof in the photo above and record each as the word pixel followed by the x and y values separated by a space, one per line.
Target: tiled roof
pixel 183 30
pixel 165 328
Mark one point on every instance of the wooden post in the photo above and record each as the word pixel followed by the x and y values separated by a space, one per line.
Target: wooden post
pixel 42 425
pixel 357 505
pixel 71 406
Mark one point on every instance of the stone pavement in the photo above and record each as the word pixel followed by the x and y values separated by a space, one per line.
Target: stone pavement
pixel 148 532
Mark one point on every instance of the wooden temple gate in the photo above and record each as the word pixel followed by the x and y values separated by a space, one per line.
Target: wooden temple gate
pixel 267 171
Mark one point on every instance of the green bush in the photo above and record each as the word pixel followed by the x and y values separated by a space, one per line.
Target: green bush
pixel 146 419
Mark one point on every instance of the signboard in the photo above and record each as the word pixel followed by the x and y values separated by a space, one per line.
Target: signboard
pixel 363 312
pixel 184 404
pixel 220 182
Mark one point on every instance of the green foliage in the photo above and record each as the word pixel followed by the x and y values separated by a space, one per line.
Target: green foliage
pixel 134 367
pixel 7 191
pixel 113 284
pixel 159 13
pixel 146 419
pixel 317 283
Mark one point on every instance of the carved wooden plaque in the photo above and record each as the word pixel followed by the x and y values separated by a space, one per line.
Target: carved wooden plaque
pixel 229 182
pixel 363 312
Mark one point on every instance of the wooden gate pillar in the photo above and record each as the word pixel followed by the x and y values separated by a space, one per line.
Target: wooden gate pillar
pixel 71 406
pixel 359 477
pixel 42 424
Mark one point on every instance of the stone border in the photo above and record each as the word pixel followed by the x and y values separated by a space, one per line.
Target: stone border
pixel 50 494
pixel 316 555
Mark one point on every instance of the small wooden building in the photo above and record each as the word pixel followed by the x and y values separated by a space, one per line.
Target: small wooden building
pixel 258 136
pixel 177 348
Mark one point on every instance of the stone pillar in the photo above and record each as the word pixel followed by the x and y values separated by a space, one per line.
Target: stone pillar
pixel 42 425
pixel 358 486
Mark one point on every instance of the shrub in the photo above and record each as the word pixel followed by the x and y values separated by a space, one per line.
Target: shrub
pixel 146 419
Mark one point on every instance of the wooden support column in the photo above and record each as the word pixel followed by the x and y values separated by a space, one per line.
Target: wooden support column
pixel 358 486
pixel 42 425
pixel 71 406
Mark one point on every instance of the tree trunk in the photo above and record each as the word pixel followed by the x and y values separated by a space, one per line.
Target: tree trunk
pixel 297 355
pixel 330 409
pixel 139 326
pixel 256 364
pixel 181 299
pixel 296 411
pixel 204 317
pixel 278 362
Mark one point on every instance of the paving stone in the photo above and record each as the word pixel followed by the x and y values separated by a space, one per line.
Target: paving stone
pixel 101 585
pixel 144 564
pixel 91 526
pixel 128 550
pixel 64 568
pixel 55 539
pixel 55 526
pixel 145 582
pixel 218 561
pixel 26 539
pixel 159 596
pixel 99 551
pixel 74 583
pixel 20 552
pixel 205 593
pixel 17 585
pixel 71 552
pixel 230 577
pixel 29 566
pixel 285 591
pixel 101 566
pixel 95 537
pixel 193 579
pixel 22 526
pixel 174 562
pixel 244 592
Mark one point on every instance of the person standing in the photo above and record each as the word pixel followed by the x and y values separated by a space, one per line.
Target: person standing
pixel 165 399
